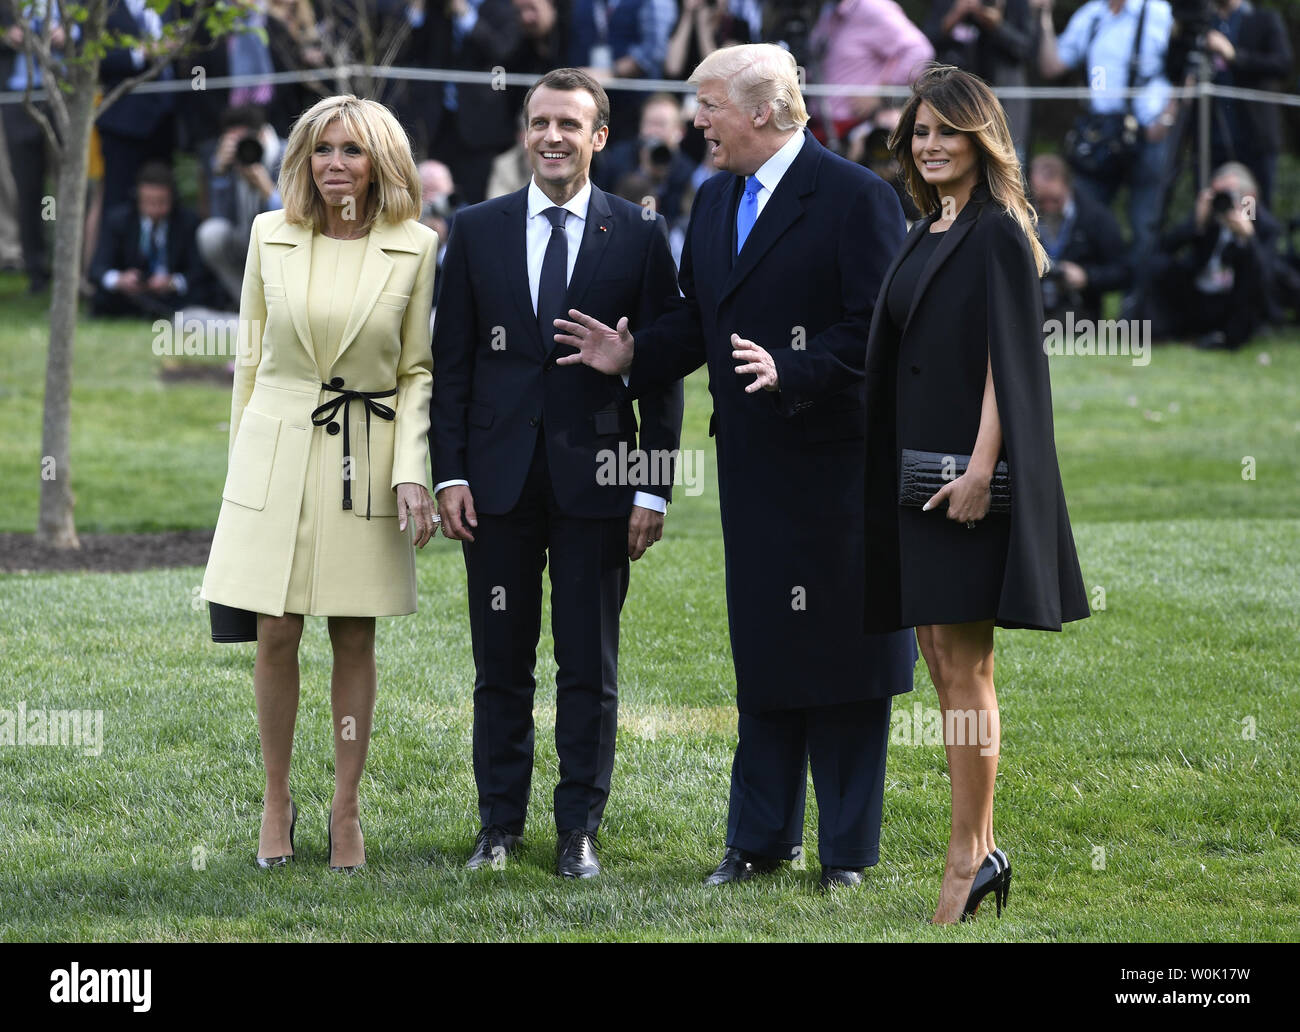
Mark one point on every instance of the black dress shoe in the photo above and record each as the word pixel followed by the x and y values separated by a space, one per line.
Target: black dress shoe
pixel 737 865
pixel 992 878
pixel 575 854
pixel 840 877
pixel 267 862
pixel 491 847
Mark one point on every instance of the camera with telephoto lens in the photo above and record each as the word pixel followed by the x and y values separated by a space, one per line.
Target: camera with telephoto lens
pixel 248 151
pixel 1225 201
pixel 658 153
pixel 1058 295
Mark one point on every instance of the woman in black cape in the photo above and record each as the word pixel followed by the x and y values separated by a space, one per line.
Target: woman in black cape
pixel 955 366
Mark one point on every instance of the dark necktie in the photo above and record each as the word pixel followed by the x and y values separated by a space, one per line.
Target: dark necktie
pixel 552 285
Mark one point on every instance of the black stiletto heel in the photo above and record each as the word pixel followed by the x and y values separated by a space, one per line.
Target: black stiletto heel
pixel 993 876
pixel 329 833
pixel 267 862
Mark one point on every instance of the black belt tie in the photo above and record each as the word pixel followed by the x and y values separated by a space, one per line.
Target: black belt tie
pixel 327 411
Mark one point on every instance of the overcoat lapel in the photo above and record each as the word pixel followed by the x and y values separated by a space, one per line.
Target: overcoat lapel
pixel 783 209
pixel 295 272
pixel 951 238
pixel 375 269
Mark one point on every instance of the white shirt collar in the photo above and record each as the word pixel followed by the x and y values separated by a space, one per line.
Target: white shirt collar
pixel 770 172
pixel 538 202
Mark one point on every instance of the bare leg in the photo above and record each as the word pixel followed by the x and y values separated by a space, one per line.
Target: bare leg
pixel 275 685
pixel 352 694
pixel 960 658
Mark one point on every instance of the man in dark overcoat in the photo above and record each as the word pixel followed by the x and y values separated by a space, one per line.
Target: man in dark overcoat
pixel 782 262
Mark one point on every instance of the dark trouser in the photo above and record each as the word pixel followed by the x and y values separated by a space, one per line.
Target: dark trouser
pixel 27 147
pixel 589 577
pixel 1177 309
pixel 846 745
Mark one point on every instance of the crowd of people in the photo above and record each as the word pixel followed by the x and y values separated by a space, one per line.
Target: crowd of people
pixel 468 136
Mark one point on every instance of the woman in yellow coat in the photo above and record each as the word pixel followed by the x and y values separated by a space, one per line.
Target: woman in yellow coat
pixel 326 494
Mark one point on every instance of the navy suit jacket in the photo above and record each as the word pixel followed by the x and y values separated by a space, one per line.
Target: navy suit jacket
pixel 790 462
pixel 137 115
pixel 495 379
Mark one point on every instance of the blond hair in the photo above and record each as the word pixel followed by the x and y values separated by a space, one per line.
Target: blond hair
pixel 394 192
pixel 758 74
pixel 964 102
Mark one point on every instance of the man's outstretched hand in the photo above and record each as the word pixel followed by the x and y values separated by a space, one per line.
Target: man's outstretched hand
pixel 606 350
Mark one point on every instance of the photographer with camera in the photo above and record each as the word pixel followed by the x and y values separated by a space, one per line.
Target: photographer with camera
pixel 244 168
pixel 1081 238
pixel 1119 140
pixel 1248 47
pixel 995 40
pixel 1213 274
pixel 656 154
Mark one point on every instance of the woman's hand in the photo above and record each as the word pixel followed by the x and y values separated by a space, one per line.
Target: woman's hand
pixel 968 497
pixel 413 499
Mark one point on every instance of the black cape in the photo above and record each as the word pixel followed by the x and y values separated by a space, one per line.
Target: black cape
pixel 978 294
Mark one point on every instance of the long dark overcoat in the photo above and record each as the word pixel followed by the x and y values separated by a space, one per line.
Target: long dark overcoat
pixel 790 472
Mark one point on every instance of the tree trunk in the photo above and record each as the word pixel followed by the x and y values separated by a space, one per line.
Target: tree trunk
pixel 55 525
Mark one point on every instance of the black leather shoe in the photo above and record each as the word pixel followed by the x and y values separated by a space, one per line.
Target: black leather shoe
pixel 267 862
pixel 840 877
pixel 575 854
pixel 992 878
pixel 737 865
pixel 491 848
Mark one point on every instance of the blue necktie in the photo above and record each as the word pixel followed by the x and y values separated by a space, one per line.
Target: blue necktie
pixel 552 284
pixel 747 212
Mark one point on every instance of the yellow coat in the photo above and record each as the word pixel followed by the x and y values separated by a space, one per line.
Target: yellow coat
pixel 361 566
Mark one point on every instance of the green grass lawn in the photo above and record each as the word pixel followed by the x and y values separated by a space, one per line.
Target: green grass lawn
pixel 1149 772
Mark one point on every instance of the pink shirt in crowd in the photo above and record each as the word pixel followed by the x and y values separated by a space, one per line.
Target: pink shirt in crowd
pixel 867 41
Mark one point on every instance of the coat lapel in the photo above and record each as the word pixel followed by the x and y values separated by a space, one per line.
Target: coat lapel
pixel 295 271
pixel 951 238
pixel 597 229
pixel 909 242
pixel 375 268
pixel 515 233
pixel 783 208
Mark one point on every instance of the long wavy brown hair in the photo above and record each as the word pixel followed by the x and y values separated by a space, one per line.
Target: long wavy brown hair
pixel 965 102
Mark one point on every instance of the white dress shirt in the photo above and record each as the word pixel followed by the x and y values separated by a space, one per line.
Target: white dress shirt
pixel 537 234
pixel 774 168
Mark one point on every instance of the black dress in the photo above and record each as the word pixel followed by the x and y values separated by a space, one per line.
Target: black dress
pixel 951 303
pixel 963 565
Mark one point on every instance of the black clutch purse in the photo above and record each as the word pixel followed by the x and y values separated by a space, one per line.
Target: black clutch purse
pixel 922 473
pixel 232 625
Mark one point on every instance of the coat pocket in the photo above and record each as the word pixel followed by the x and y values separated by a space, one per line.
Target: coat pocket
pixel 373 467
pixel 249 477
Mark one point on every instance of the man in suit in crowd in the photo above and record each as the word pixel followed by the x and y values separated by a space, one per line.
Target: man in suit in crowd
pixel 139 127
pixel 1089 257
pixel 147 260
pixel 1250 50
pixel 467 124
pixel 783 259
pixel 518 444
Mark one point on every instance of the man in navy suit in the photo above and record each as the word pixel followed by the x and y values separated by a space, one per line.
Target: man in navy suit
pixel 139 127
pixel 784 256
pixel 525 459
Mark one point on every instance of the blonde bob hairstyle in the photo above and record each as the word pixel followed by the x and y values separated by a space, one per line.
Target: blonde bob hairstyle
pixel 964 102
pixel 394 192
pixel 758 74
